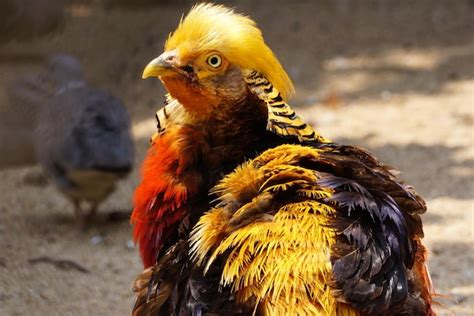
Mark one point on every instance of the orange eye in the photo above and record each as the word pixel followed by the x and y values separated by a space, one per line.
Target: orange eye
pixel 214 61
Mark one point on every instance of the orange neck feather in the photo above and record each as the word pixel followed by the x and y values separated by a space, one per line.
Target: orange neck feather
pixel 191 97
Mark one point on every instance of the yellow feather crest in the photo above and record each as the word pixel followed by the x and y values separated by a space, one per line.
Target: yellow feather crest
pixel 210 27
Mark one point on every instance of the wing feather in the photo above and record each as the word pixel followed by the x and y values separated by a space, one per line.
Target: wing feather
pixel 329 219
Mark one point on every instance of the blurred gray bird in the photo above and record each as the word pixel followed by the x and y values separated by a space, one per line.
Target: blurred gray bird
pixel 82 138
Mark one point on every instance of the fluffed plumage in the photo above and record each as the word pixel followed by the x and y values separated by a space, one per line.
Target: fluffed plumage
pixel 295 224
pixel 328 219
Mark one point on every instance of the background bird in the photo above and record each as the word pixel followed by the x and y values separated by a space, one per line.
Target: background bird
pixel 82 138
pixel 305 227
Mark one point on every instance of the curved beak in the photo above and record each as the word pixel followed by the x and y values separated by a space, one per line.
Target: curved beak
pixel 162 66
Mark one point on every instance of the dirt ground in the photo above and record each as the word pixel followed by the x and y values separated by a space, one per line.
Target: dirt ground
pixel 394 77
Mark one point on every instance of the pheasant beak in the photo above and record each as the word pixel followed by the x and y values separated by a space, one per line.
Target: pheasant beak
pixel 164 65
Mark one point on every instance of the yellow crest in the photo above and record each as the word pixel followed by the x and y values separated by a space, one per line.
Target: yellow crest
pixel 209 27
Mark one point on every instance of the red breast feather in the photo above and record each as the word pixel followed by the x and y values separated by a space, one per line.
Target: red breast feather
pixel 160 197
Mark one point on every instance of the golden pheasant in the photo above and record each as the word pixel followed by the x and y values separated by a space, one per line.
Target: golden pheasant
pixel 294 225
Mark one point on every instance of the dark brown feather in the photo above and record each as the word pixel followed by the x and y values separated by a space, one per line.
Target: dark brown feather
pixel 378 224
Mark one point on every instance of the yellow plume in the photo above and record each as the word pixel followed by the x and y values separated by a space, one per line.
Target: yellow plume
pixel 210 27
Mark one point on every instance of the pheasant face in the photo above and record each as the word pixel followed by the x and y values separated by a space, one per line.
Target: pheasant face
pixel 200 83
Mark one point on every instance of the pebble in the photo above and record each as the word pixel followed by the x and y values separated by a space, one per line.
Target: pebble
pixel 97 239
pixel 130 244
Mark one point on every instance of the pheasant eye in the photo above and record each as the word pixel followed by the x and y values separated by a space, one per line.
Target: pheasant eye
pixel 214 61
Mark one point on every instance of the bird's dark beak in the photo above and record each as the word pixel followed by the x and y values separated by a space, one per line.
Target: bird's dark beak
pixel 162 66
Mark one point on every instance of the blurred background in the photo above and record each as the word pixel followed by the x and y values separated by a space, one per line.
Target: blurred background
pixel 396 77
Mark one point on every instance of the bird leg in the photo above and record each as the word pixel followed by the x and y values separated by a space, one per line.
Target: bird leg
pixel 79 214
pixel 92 211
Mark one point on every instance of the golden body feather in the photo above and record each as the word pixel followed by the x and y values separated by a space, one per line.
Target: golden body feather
pixel 277 251
pixel 301 226
pixel 283 225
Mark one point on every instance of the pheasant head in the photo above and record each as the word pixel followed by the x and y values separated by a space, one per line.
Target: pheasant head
pixel 204 60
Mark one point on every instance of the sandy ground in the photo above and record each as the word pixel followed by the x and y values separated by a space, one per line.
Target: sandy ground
pixel 395 78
